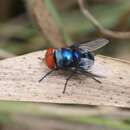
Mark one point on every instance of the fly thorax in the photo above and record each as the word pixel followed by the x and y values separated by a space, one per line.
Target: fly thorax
pixel 64 57
pixel 76 56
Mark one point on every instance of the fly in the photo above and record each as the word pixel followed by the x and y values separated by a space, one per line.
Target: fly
pixel 77 58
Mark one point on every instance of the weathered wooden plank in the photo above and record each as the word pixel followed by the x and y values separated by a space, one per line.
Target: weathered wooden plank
pixel 19 81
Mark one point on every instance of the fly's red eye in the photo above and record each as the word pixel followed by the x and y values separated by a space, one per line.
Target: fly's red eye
pixel 49 58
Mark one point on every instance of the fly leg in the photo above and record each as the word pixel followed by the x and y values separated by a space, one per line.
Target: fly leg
pixel 96 80
pixel 93 76
pixel 70 76
pixel 47 74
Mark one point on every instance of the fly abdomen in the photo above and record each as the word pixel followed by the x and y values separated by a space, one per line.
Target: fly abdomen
pixel 87 60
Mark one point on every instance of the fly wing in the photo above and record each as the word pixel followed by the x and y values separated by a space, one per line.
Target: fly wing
pixel 94 45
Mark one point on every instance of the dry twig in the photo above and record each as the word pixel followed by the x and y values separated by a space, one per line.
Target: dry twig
pixel 92 19
pixel 45 22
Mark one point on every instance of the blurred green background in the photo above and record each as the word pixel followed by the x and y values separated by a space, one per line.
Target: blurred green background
pixel 18 35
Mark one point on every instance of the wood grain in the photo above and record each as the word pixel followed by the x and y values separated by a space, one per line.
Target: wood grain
pixel 19 82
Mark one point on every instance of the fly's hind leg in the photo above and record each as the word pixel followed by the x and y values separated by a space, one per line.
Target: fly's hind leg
pixel 93 76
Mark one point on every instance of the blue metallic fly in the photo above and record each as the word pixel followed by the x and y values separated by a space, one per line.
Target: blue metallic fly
pixel 77 58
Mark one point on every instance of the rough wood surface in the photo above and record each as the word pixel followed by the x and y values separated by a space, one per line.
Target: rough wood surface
pixel 19 81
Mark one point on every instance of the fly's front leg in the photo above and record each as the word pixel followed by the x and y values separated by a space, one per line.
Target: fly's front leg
pixel 70 76
pixel 47 74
